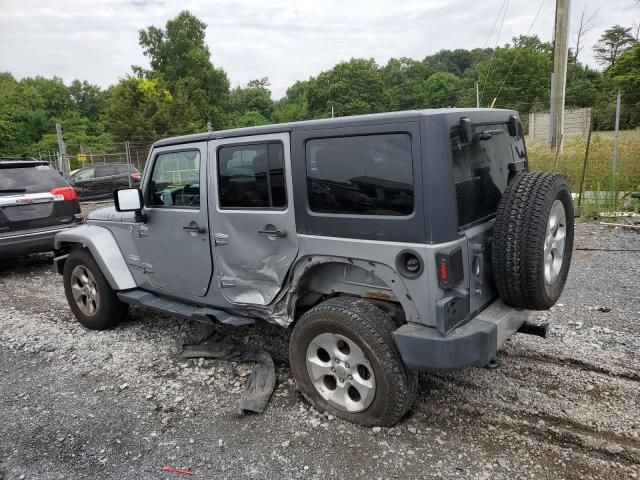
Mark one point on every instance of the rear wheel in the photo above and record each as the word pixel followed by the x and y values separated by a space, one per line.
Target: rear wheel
pixel 92 300
pixel 533 240
pixel 344 360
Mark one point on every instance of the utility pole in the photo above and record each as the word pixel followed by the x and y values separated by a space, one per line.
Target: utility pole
pixel 208 126
pixel 559 76
pixel 128 155
pixel 616 138
pixel 62 152
pixel 477 95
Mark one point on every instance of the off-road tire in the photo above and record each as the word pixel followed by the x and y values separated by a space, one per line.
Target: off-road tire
pixel 111 311
pixel 519 238
pixel 371 329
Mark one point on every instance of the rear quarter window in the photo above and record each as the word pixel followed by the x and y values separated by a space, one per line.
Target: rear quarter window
pixel 360 175
pixel 41 178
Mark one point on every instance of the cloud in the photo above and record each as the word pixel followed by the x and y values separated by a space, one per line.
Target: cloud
pixel 285 40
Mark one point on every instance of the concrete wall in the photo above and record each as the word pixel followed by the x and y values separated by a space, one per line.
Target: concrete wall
pixel 576 124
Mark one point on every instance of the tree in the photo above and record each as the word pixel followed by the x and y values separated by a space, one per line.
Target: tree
pixel 181 60
pixel 441 90
pixel 518 76
pixel 587 22
pixel 613 42
pixel 404 80
pixel 143 109
pixel 294 105
pixel 89 99
pixel 254 97
pixel 625 76
pixel 351 88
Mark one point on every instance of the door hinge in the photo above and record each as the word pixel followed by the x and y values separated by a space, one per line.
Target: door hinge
pixel 220 239
pixel 227 282
pixel 143 231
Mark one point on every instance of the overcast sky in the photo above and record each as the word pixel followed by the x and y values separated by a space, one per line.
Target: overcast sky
pixel 286 40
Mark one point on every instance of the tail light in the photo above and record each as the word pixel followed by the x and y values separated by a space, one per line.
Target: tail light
pixel 136 176
pixel 450 268
pixel 63 193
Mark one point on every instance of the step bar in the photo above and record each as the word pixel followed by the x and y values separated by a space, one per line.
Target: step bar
pixel 140 298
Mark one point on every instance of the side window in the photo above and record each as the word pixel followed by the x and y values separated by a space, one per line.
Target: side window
pixel 252 176
pixel 360 175
pixel 83 175
pixel 175 180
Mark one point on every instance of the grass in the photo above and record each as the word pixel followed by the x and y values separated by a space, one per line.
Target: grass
pixel 598 174
pixel 599 179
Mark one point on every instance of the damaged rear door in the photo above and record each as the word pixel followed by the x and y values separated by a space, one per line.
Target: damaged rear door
pixel 252 215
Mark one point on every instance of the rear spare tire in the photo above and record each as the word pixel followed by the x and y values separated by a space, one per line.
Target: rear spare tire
pixel 533 240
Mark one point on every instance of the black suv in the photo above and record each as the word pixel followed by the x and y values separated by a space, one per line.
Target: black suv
pixel 99 181
pixel 35 204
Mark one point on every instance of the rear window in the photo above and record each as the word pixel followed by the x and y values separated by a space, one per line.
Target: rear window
pixel 480 171
pixel 360 175
pixel 41 178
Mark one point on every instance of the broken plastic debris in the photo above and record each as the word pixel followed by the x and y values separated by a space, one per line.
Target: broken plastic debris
pixel 263 376
pixel 184 471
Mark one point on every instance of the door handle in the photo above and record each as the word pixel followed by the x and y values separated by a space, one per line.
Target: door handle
pixel 272 232
pixel 194 228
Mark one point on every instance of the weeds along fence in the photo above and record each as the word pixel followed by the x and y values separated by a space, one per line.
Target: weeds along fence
pixel 610 173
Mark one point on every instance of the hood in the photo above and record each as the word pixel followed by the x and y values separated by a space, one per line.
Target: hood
pixel 110 214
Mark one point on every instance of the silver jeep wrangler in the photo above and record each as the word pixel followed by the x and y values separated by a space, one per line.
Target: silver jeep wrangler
pixel 389 243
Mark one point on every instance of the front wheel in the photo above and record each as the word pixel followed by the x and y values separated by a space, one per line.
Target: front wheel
pixel 345 361
pixel 92 300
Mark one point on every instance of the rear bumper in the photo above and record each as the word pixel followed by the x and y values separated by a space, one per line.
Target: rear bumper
pixel 31 241
pixel 473 344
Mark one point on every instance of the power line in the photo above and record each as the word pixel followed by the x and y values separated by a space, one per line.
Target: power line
pixel 494 51
pixel 520 49
pixel 486 41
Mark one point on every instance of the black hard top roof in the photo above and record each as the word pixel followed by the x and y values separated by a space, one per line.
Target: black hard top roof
pixel 360 120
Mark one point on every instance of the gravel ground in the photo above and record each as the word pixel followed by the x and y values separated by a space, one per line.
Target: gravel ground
pixel 121 404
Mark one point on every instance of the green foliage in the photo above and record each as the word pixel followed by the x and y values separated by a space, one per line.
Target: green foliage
pixel 441 90
pixel 255 97
pixel 250 119
pixel 181 62
pixel 613 42
pixel 141 109
pixel 351 88
pixel 89 99
pixel 625 76
pixel 405 81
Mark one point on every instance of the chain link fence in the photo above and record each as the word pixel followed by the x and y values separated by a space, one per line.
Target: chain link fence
pixel 602 165
pixel 95 175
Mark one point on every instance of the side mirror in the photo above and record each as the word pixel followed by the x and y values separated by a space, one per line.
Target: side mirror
pixel 466 130
pixel 128 200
